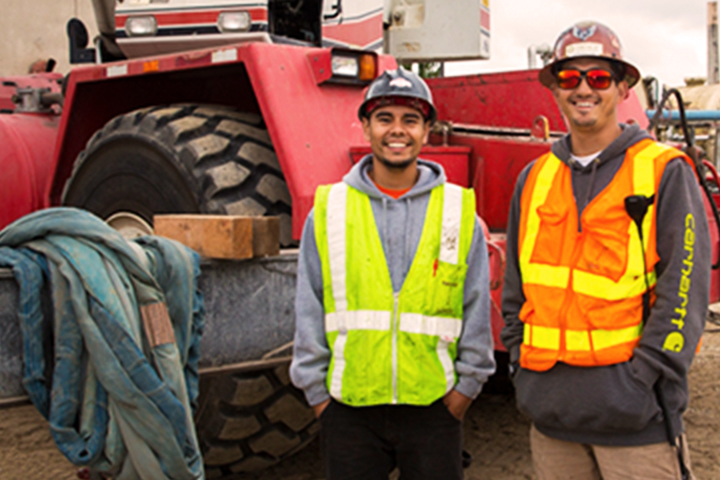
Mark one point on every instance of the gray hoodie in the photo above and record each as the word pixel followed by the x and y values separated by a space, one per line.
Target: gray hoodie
pixel 400 224
pixel 617 405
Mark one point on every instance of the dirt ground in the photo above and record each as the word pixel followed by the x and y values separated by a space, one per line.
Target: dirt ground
pixel 495 435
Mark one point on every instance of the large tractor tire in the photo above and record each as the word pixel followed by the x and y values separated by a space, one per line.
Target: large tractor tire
pixel 249 421
pixel 180 159
pixel 202 159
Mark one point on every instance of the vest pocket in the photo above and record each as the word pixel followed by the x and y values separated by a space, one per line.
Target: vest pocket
pixel 605 252
pixel 550 236
pixel 444 289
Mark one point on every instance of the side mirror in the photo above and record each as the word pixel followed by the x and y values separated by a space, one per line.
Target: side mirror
pixel 78 37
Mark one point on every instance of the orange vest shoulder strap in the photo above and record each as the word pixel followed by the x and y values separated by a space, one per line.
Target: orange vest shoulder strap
pixel 668 153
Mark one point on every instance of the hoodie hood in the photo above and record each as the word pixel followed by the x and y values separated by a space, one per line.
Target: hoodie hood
pixel 589 180
pixel 430 176
pixel 631 134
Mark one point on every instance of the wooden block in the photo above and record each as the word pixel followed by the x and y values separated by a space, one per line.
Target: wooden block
pixel 266 236
pixel 222 236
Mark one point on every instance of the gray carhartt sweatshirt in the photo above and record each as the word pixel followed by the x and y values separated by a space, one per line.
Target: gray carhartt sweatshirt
pixel 616 405
pixel 400 224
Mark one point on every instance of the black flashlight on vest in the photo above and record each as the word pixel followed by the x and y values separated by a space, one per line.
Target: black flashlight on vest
pixel 636 207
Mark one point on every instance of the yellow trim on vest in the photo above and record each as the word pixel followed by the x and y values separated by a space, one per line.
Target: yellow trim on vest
pixel 598 286
pixel 547 275
pixel 548 338
pixel 542 189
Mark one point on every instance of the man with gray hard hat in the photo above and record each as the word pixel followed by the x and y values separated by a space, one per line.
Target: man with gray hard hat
pixel 606 281
pixel 393 336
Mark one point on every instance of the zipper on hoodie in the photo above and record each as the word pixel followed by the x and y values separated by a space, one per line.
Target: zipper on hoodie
pixel 394 326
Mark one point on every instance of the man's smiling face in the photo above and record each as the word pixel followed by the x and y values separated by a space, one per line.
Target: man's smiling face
pixel 588 109
pixel 396 134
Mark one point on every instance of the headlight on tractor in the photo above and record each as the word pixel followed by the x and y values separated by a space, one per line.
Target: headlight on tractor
pixel 145 26
pixel 343 65
pixel 230 22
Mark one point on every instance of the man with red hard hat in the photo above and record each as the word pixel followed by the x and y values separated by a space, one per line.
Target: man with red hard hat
pixel 393 336
pixel 607 280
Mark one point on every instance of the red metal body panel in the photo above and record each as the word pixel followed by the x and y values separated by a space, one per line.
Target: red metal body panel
pixel 27 143
pixel 494 166
pixel 496 254
pixel 715 245
pixel 501 100
pixel 713 179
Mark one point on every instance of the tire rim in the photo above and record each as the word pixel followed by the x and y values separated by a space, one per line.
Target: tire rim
pixel 129 225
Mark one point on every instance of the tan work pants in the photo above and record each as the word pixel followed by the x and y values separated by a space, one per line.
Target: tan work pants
pixel 559 460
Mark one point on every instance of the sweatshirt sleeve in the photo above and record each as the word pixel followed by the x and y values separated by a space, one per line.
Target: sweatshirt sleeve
pixel 311 355
pixel 513 297
pixel 677 318
pixel 475 361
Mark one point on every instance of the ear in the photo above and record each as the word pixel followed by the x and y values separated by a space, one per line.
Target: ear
pixel 623 90
pixel 426 136
pixel 366 128
pixel 555 90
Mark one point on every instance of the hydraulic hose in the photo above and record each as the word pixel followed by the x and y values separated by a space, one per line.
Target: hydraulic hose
pixel 691 152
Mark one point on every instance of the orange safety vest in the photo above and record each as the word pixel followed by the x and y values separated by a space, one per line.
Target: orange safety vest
pixel 584 287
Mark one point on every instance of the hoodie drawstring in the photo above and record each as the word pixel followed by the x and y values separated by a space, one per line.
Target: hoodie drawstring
pixel 408 225
pixel 385 220
pixel 588 192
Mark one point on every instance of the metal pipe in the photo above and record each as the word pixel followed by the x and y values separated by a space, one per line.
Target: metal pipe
pixel 691 115
pixel 713 73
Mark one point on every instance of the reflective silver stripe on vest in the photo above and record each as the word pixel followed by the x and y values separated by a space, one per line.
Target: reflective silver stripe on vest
pixel 337 248
pixel 357 320
pixel 339 368
pixel 336 233
pixel 449 328
pixel 447 363
pixel 452 218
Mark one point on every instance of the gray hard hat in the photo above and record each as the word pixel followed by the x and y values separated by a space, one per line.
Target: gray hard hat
pixel 402 87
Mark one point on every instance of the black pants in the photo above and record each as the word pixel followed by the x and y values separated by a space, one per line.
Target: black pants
pixel 367 443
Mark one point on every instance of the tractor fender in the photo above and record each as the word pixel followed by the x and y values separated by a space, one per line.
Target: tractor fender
pixel 311 123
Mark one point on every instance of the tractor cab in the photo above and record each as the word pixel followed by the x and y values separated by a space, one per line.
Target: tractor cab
pixel 142 28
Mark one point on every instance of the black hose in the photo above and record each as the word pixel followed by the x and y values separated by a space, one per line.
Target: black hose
pixel 690 151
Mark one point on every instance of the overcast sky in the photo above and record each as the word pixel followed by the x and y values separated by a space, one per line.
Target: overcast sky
pixel 666 39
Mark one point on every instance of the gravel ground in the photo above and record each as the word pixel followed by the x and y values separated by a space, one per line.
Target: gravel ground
pixel 495 435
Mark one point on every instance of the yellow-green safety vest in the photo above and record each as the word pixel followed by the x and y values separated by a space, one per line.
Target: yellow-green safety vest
pixel 388 347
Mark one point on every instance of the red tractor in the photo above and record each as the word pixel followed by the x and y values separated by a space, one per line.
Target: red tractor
pixel 250 124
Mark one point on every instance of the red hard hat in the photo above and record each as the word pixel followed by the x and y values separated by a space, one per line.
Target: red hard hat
pixel 588 40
